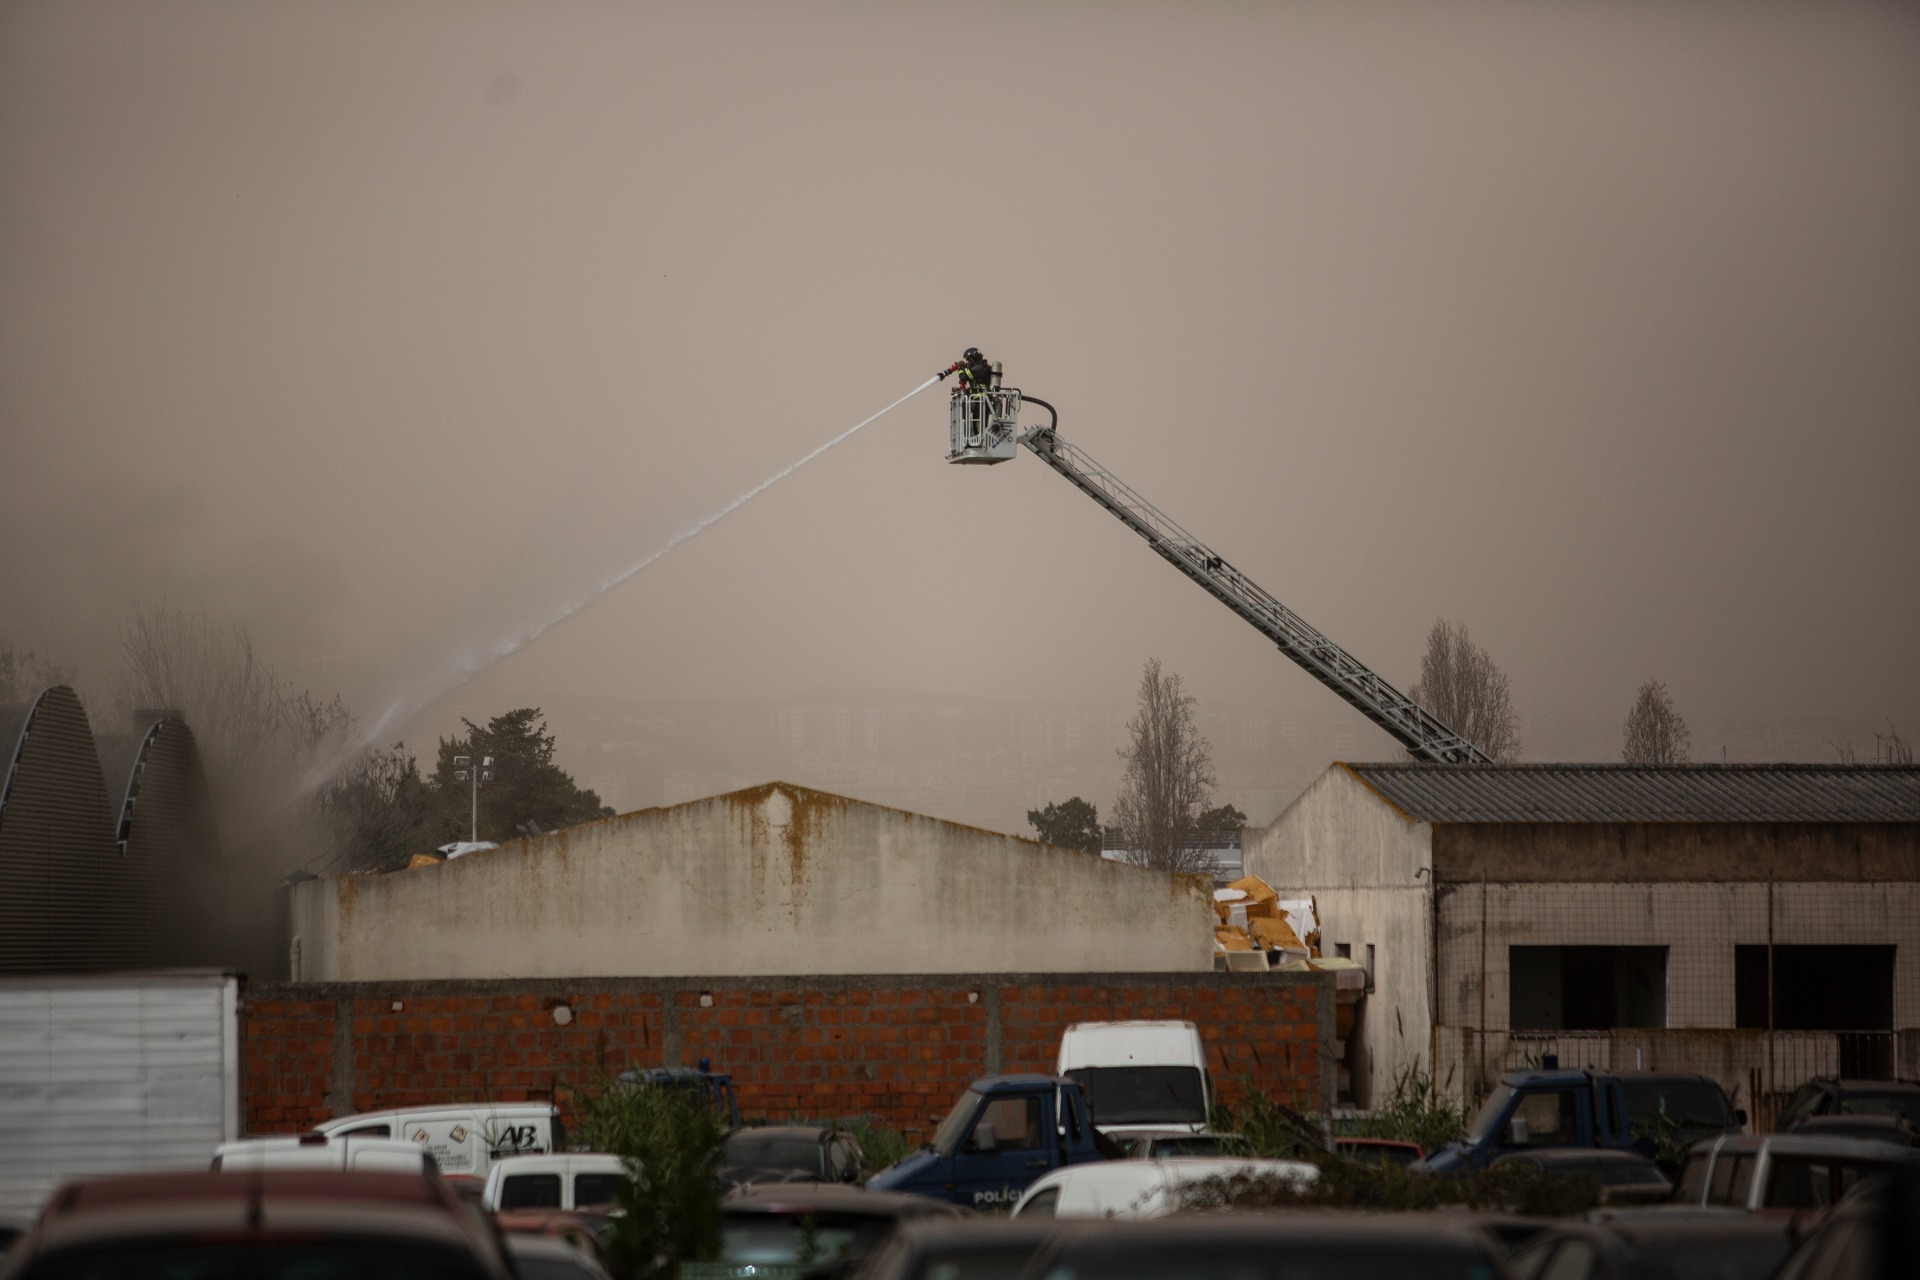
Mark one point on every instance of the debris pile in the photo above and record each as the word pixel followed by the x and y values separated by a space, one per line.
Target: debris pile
pixel 1253 918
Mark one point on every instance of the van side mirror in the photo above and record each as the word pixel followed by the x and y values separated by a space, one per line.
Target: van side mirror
pixel 983 1139
pixel 1740 1116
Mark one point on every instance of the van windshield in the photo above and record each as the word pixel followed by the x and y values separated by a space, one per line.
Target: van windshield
pixel 1143 1095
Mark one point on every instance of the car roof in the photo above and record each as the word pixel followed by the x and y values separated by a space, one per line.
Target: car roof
pixel 1290 1225
pixel 1541 1075
pixel 1028 1080
pixel 805 1197
pixel 1816 1144
pixel 144 1206
pixel 813 1131
pixel 535 1107
pixel 1580 1155
pixel 936 1232
pixel 1658 1077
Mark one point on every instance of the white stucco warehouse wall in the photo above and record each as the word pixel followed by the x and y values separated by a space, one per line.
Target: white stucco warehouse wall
pixel 774 880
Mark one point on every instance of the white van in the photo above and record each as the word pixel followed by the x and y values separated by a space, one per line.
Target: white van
pixel 1139 1188
pixel 1145 1077
pixel 464 1138
pixel 318 1151
pixel 583 1180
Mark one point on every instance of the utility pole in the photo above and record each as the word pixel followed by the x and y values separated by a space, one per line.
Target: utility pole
pixel 464 772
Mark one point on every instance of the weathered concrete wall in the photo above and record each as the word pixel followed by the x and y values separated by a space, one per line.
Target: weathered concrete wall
pixel 775 880
pixel 899 1049
pixel 1699 924
pixel 1662 852
pixel 1358 857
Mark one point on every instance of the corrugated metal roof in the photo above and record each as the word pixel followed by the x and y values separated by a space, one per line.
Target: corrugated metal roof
pixel 1645 793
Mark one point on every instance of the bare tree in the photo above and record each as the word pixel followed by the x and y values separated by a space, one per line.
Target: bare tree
pixel 23 673
pixel 1655 733
pixel 1459 684
pixel 256 733
pixel 1169 778
pixel 1843 750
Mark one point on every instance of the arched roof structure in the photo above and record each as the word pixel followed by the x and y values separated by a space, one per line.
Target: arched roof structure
pixel 66 900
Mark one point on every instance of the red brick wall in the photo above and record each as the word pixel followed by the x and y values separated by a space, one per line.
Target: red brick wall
pixel 896 1049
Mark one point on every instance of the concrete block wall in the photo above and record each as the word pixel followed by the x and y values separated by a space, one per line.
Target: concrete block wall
pixel 897 1049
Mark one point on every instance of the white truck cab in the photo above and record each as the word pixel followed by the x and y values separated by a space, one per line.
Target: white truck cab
pixel 1143 1077
pixel 465 1139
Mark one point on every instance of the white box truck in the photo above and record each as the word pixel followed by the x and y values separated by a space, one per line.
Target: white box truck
pixel 113 1073
pixel 1139 1077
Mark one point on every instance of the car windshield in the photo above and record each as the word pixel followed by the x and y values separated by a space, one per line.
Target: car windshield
pixel 247 1258
pixel 798 1239
pixel 1629 1173
pixel 1882 1102
pixel 1279 1259
pixel 750 1150
pixel 1684 1102
pixel 946 1138
pixel 1489 1113
pixel 1143 1095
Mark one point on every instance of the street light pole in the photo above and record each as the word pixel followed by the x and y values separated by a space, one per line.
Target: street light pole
pixel 463 772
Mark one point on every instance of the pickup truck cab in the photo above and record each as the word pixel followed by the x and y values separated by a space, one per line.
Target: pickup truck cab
pixel 1531 1110
pixel 1002 1134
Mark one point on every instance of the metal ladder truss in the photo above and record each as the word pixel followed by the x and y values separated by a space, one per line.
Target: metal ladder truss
pixel 1423 735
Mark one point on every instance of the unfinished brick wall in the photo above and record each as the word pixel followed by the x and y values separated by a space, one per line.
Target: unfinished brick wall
pixel 897 1049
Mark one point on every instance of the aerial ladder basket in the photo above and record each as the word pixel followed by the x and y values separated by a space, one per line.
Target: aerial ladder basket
pixel 983 422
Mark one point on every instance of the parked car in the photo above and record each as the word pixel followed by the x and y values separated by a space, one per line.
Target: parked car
pixel 1625 1177
pixel 545 1258
pixel 1159 1146
pixel 1310 1246
pixel 780 1225
pixel 318 1151
pixel 1139 1075
pixel 578 1180
pixel 1140 1188
pixel 276 1224
pixel 1633 1248
pixel 980 1248
pixel 1689 1107
pixel 464 1138
pixel 1873 1234
pixel 1379 1151
pixel 1894 1129
pixel 1784 1172
pixel 715 1086
pixel 1836 1096
pixel 790 1153
pixel 583 1229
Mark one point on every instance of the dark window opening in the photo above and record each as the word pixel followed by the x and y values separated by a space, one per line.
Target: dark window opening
pixel 531 1191
pixel 1586 988
pixel 1815 988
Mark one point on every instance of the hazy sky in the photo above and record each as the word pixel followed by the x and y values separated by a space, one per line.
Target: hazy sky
pixel 384 327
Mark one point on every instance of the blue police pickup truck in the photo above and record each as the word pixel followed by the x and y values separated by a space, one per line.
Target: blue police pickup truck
pixel 1003 1133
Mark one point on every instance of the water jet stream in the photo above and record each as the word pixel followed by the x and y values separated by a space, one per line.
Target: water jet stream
pixel 468 665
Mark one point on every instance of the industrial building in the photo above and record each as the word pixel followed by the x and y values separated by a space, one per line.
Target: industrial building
pixel 773 880
pixel 104 844
pixel 1757 923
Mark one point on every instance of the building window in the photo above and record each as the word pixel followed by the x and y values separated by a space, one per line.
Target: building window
pixel 1586 988
pixel 1815 988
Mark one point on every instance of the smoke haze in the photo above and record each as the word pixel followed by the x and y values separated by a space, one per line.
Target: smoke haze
pixel 387 328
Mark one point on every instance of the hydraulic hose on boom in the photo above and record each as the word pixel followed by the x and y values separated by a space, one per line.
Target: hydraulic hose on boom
pixel 984 428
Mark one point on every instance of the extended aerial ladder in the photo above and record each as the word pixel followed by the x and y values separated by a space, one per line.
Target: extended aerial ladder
pixel 985 429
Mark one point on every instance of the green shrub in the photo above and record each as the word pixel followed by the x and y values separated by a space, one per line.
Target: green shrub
pixel 670 1202
pixel 880 1145
pixel 1417 1111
